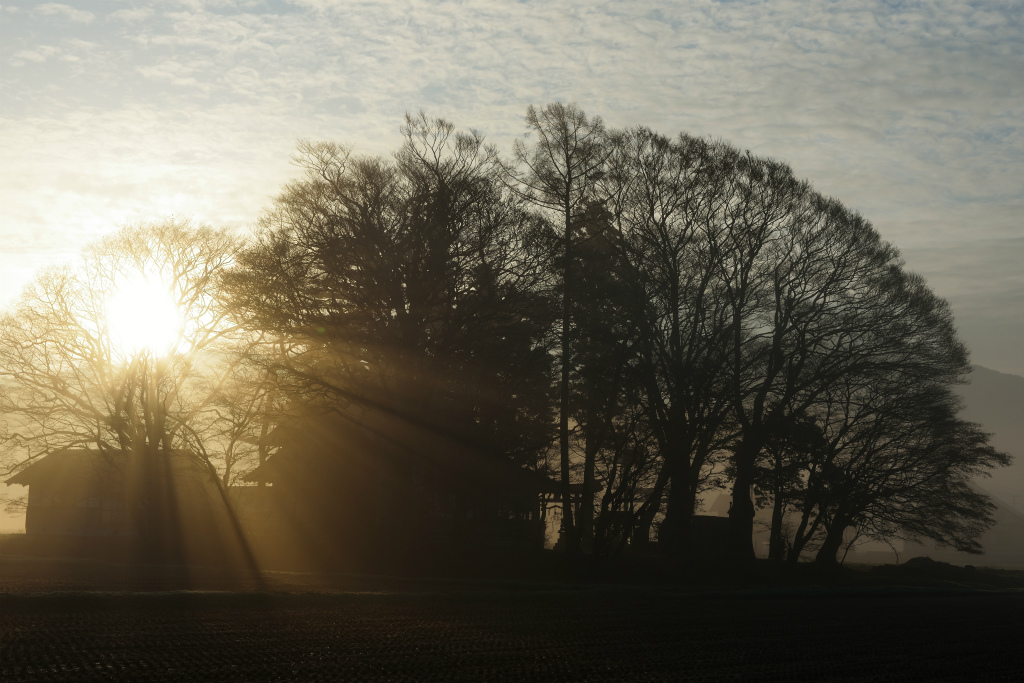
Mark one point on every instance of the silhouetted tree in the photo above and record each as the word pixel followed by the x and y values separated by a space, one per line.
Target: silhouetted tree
pixel 628 465
pixel 918 489
pixel 791 447
pixel 666 196
pixel 806 282
pixel 828 313
pixel 243 411
pixel 605 390
pixel 895 462
pixel 559 173
pixel 413 285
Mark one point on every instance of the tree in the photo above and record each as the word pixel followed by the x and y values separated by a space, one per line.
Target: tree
pixel 411 285
pixel 84 370
pixel 898 467
pixel 918 487
pixel 792 450
pixel 666 196
pixel 807 284
pixel 604 390
pixel 824 317
pixel 893 460
pixel 559 173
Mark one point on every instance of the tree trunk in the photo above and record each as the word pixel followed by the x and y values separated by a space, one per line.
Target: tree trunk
pixel 829 551
pixel 594 439
pixel 675 534
pixel 776 545
pixel 649 510
pixel 741 514
pixel 569 538
pixel 263 448
pixel 802 535
pixel 156 502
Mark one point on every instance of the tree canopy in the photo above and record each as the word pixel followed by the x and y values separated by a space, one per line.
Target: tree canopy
pixel 74 380
pixel 644 318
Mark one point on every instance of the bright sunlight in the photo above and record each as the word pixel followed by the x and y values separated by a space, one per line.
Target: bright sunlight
pixel 143 316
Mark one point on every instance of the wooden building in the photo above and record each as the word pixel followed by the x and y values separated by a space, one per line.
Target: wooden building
pixel 76 492
pixel 96 500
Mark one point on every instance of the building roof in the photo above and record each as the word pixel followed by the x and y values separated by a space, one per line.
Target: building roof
pixel 78 463
pixel 69 461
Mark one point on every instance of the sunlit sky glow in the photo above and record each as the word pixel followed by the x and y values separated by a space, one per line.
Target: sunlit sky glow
pixel 909 112
pixel 142 315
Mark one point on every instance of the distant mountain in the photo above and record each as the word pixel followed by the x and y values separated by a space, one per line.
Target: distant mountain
pixel 995 400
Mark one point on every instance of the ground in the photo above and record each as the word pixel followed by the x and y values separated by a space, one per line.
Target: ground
pixel 86 620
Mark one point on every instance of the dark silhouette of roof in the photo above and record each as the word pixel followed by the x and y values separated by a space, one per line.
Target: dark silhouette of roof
pixel 70 462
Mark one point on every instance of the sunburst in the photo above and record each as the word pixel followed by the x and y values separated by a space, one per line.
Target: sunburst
pixel 142 315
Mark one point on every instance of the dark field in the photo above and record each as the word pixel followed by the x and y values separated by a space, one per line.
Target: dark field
pixel 63 622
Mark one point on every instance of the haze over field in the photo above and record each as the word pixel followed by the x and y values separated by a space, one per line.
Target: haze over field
pixel 993 399
pixel 908 112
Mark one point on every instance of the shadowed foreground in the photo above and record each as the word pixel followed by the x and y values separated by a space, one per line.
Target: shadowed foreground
pixel 394 630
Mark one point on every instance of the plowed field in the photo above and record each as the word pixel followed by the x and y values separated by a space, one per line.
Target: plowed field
pixel 474 632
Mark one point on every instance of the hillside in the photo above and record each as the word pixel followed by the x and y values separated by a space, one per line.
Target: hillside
pixel 995 400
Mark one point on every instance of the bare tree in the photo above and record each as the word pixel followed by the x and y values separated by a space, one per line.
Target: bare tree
pixel 605 387
pixel 410 285
pixel 666 197
pixel 892 459
pixel 76 380
pixel 559 173
pixel 793 447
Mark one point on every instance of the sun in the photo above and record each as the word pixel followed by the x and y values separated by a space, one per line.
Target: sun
pixel 142 315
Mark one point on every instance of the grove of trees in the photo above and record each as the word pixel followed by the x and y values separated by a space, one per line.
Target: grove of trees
pixel 645 319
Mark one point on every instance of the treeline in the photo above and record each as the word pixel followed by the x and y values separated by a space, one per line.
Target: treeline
pixel 645 318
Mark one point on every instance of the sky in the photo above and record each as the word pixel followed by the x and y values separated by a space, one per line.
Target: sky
pixel 908 112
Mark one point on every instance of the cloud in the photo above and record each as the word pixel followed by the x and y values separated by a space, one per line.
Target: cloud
pixel 909 112
pixel 173 71
pixel 132 15
pixel 39 54
pixel 66 11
